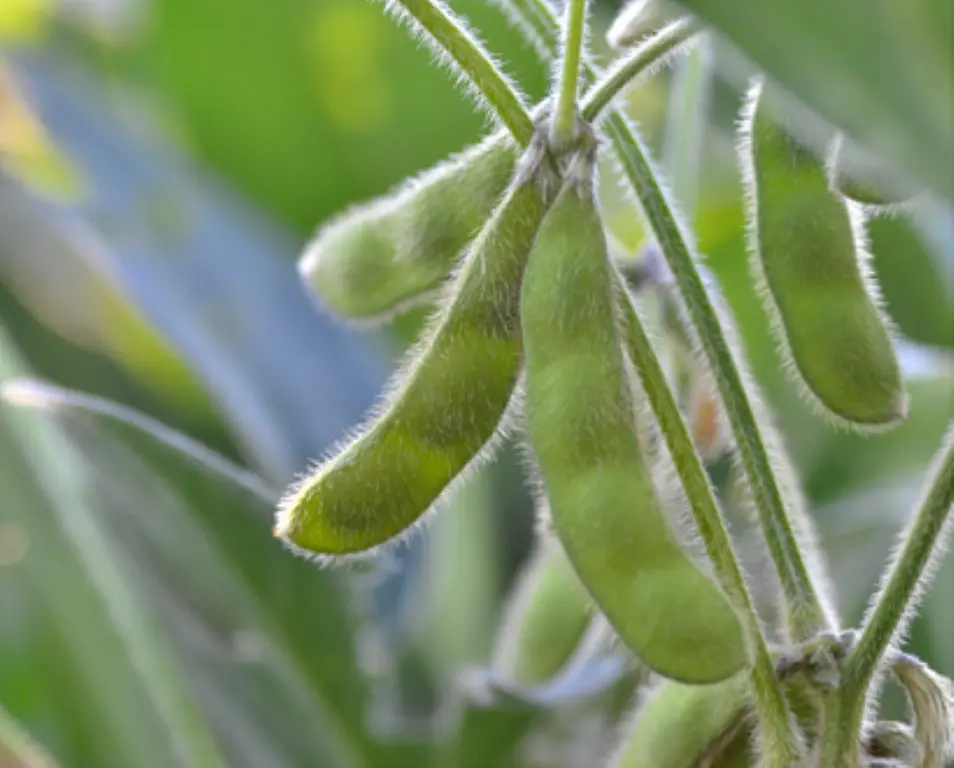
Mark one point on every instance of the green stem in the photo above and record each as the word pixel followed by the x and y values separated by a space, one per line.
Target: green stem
pixel 892 610
pixel 807 615
pixel 624 69
pixel 779 737
pixel 450 36
pixel 780 538
pixel 563 126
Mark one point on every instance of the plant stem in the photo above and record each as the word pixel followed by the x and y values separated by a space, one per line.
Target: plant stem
pixel 621 73
pixel 807 615
pixel 449 37
pixel 779 737
pixel 893 608
pixel 781 541
pixel 563 124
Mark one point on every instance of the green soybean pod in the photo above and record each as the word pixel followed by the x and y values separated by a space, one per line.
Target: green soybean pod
pixel 383 257
pixel 809 261
pixel 684 726
pixel 545 618
pixel 862 180
pixel 445 408
pixel 580 420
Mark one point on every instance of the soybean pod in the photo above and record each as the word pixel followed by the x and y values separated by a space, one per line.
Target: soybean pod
pixel 808 257
pixel 684 726
pixel 580 419
pixel 860 179
pixel 545 619
pixel 383 257
pixel 446 406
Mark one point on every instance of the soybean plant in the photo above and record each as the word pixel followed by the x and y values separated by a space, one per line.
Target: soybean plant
pixel 538 331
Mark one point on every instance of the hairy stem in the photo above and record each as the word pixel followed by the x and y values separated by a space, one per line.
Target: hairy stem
pixel 450 37
pixel 807 615
pixel 563 126
pixel 624 69
pixel 779 737
pixel 892 610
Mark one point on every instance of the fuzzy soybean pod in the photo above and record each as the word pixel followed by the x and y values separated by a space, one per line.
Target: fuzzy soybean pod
pixel 579 417
pixel 545 618
pixel 445 408
pixel 684 726
pixel 383 257
pixel 808 255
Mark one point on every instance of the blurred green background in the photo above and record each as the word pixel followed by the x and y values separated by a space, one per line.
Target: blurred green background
pixel 162 164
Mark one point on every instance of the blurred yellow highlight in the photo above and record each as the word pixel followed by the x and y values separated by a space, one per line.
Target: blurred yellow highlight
pixel 23 21
pixel 344 46
pixel 25 149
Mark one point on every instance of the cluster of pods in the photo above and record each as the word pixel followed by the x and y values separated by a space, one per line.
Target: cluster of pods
pixel 535 328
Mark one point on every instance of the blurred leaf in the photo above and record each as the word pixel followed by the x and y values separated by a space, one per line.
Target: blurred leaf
pixel 18 749
pixel 206 542
pixel 130 675
pixel 213 276
pixel 918 291
pixel 23 20
pixel 27 151
pixel 459 581
pixel 305 104
pixel 54 268
pixel 878 69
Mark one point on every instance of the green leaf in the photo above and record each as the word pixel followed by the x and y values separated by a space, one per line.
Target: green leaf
pixel 266 636
pixel 18 749
pixel 879 70
pixel 129 674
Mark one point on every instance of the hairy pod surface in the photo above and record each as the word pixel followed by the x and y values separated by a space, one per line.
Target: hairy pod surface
pixel 546 617
pixel 446 406
pixel 580 421
pixel 385 256
pixel 807 250
pixel 679 726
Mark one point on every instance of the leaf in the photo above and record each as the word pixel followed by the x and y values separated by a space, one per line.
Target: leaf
pixel 880 70
pixel 243 610
pixel 214 277
pixel 18 749
pixel 142 692
pixel 206 539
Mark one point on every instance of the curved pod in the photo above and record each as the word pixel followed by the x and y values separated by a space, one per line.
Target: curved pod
pixel 445 407
pixel 683 726
pixel 546 617
pixel 582 428
pixel 383 257
pixel 807 255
